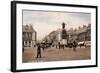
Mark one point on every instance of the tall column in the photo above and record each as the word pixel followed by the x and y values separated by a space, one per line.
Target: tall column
pixel 64 35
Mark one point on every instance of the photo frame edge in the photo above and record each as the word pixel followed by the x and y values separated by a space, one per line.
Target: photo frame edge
pixel 13 36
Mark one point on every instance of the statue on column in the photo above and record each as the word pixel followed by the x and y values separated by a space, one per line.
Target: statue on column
pixel 64 34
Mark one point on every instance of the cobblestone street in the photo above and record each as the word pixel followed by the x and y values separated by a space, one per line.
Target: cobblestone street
pixel 54 54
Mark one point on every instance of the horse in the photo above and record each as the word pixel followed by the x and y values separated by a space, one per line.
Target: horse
pixel 81 44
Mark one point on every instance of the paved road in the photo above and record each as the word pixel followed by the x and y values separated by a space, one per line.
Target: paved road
pixel 54 54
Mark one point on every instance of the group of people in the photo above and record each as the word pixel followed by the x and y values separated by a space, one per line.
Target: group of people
pixel 74 44
pixel 41 46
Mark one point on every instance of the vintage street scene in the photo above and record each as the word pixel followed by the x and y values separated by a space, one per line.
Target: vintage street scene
pixel 55 36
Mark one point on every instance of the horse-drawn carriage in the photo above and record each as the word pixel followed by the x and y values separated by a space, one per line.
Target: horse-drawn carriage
pixel 84 43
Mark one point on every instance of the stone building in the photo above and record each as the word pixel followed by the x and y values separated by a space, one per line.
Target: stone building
pixel 72 35
pixel 28 36
pixel 84 33
pixel 58 35
pixel 80 34
pixel 88 33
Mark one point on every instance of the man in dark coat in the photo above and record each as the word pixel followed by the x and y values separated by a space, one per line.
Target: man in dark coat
pixel 38 50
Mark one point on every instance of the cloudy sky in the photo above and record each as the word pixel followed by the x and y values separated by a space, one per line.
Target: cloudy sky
pixel 45 21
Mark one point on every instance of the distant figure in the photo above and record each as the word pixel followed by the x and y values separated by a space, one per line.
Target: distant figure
pixel 63 46
pixel 38 50
pixel 59 44
pixel 23 46
pixel 74 45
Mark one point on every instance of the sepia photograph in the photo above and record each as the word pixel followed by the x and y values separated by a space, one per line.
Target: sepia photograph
pixel 55 36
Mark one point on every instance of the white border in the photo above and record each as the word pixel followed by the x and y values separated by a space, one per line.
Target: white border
pixel 21 65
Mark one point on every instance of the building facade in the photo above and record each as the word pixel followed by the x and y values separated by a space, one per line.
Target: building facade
pixel 29 36
pixel 84 33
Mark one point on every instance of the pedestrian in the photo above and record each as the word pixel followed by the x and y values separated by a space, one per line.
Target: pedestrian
pixel 59 44
pixel 74 45
pixel 38 50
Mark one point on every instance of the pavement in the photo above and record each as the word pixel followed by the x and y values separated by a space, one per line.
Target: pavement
pixel 55 54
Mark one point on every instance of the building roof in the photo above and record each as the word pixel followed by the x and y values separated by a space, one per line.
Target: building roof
pixel 79 30
pixel 28 28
